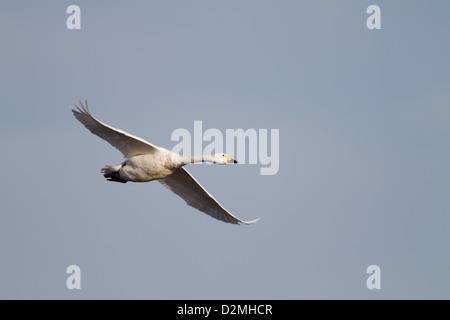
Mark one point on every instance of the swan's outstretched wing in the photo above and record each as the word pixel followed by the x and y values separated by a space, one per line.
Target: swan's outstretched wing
pixel 126 143
pixel 184 184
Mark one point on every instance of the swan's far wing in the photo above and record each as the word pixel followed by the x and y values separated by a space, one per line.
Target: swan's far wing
pixel 126 143
pixel 182 183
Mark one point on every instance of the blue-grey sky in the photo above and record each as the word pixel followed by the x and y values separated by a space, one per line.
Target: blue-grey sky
pixel 364 120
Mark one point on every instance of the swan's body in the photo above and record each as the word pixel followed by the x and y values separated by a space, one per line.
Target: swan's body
pixel 146 162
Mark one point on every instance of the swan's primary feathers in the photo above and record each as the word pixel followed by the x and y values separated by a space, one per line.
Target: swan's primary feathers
pixel 184 184
pixel 146 162
pixel 126 143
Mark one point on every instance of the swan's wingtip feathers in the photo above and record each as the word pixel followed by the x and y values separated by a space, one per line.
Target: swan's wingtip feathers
pixel 82 109
pixel 251 221
pixel 75 109
pixel 87 107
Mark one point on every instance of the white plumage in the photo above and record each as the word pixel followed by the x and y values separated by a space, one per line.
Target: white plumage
pixel 146 162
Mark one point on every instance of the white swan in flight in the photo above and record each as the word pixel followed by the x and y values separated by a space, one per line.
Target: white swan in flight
pixel 146 162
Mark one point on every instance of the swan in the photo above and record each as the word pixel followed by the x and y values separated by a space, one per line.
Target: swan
pixel 146 162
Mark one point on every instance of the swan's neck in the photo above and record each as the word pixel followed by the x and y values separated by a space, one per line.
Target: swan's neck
pixel 196 158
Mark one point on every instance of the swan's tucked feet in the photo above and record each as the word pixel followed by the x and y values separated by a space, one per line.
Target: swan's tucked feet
pixel 111 173
pixel 114 177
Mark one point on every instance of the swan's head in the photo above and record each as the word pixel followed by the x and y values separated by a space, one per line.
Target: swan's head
pixel 222 158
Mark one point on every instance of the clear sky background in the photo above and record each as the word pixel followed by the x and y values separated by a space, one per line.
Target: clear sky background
pixel 364 120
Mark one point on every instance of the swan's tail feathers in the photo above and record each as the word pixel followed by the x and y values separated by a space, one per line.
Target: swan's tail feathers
pixel 111 173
